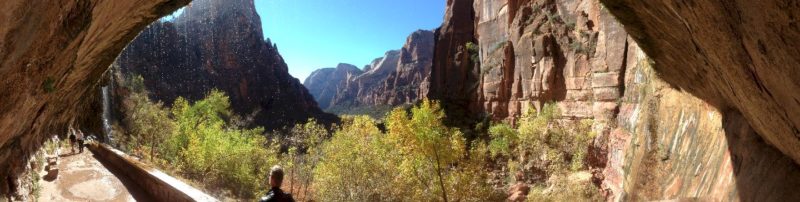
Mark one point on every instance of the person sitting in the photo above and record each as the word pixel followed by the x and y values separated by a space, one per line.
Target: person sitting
pixel 275 193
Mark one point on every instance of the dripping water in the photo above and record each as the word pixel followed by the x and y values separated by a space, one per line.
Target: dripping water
pixel 109 139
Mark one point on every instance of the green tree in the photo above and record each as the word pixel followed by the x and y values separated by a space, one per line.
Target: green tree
pixel 353 167
pixel 432 147
pixel 148 123
pixel 208 149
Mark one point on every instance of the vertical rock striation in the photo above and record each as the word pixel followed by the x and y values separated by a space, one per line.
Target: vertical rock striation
pixel 220 44
pixel 455 78
pixel 737 55
pixel 656 142
pixel 741 58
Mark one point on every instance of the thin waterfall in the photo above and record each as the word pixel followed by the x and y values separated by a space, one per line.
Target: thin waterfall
pixel 107 115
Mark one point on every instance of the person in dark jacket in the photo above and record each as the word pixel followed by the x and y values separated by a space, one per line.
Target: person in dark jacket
pixel 275 193
pixel 72 140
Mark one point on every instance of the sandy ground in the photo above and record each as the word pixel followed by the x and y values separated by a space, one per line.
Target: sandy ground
pixel 80 177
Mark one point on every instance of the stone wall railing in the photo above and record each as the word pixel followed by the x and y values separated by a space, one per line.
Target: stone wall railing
pixel 159 185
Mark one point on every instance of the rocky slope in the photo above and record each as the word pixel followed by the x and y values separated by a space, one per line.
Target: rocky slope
pixel 51 58
pixel 220 44
pixel 396 78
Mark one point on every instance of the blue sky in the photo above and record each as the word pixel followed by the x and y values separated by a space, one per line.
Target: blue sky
pixel 313 34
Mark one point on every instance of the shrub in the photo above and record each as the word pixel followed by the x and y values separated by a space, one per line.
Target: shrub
pixel 195 140
pixel 49 85
pixel 571 25
pixel 473 50
pixel 552 145
pixel 303 156
pixel 503 137
pixel 353 166
pixel 553 17
pixel 577 46
pixel 562 189
pixel 203 147
pixel 418 159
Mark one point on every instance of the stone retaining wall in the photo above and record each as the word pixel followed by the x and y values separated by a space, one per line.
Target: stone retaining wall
pixel 159 185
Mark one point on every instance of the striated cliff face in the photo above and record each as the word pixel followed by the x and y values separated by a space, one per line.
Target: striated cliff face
pixel 656 141
pixel 740 56
pixel 219 44
pixel 399 77
pixel 560 51
pixel 669 144
pixel 455 77
pixel 51 58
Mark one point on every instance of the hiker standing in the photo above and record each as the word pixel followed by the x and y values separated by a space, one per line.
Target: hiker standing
pixel 80 141
pixel 275 193
pixel 72 139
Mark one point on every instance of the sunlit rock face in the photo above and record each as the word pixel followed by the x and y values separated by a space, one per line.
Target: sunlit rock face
pixel 455 77
pixel 325 83
pixel 655 141
pixel 52 55
pixel 742 58
pixel 399 77
pixel 740 55
pixel 219 44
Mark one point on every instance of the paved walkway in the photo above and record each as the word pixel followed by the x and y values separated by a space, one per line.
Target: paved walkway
pixel 80 177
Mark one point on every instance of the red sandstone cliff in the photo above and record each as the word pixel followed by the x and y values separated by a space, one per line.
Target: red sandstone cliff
pixel 738 56
pixel 657 142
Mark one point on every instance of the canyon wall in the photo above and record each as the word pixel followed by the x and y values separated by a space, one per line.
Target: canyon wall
pixel 51 58
pixel 657 140
pixel 399 77
pixel 669 144
pixel 217 44
pixel 454 79
pixel 725 65
pixel 738 55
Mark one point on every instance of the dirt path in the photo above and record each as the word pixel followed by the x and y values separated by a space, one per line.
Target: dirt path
pixel 80 177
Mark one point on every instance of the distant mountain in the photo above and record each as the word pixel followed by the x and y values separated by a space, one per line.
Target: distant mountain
pixel 325 83
pixel 220 44
pixel 399 77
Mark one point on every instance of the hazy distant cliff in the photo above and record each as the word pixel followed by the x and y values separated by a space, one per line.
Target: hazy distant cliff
pixel 399 77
